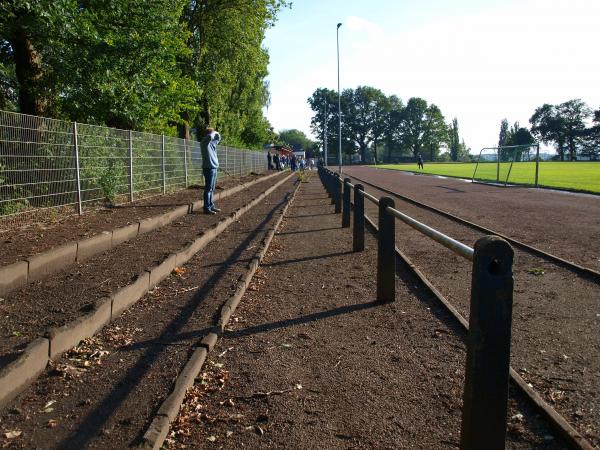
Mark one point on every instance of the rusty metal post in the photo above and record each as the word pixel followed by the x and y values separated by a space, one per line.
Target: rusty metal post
pixel 386 255
pixel 337 193
pixel 358 235
pixel 488 347
pixel 346 204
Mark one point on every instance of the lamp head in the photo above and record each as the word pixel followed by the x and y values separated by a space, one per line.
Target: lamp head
pixel 339 25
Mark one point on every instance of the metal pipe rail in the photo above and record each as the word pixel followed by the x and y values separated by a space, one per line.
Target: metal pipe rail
pixel 457 247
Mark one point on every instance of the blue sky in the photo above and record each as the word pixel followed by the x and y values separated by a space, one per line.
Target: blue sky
pixel 479 61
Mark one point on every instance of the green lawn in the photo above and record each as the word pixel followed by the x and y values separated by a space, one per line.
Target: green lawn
pixel 582 176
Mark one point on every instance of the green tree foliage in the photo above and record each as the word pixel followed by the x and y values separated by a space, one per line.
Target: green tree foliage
pixel 163 66
pixel 423 128
pixel 370 120
pixel 458 151
pixel 563 125
pixel 296 139
pixel 591 138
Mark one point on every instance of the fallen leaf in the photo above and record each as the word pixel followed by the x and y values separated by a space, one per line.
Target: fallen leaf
pixel 211 438
pixel 52 423
pixel 13 434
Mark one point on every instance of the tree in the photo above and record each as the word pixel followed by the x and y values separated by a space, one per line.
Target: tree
pixel 562 124
pixel 573 113
pixel 454 145
pixel 422 128
pixel 296 139
pixel 518 135
pixel 324 122
pixel 591 138
pixel 363 124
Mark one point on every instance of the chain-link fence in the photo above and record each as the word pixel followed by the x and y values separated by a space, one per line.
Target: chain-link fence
pixel 50 168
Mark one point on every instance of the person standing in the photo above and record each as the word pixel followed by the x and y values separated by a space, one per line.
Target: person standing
pixel 270 160
pixel 420 161
pixel 210 164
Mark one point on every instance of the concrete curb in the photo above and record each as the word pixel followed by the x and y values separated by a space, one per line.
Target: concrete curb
pixel 69 335
pixel 17 375
pixel 61 339
pixel 36 267
pixel 159 428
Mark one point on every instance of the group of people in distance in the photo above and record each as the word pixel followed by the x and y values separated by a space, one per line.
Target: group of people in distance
pixel 280 162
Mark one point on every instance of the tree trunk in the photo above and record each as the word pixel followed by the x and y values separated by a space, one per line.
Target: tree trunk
pixel 28 68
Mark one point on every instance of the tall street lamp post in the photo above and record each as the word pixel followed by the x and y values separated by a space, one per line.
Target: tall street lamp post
pixel 339 99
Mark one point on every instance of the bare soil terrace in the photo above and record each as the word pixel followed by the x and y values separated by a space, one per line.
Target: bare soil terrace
pixel 20 243
pixel 28 312
pixel 104 393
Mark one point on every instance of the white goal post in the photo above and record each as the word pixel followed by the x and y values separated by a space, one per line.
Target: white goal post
pixel 494 164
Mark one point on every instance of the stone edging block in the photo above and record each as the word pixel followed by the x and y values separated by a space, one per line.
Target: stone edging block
pixel 13 276
pixel 128 295
pixel 17 375
pixel 124 234
pixel 51 261
pixel 162 270
pixel 99 243
pixel 68 336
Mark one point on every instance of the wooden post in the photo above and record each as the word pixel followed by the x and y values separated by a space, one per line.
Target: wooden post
pixel 337 193
pixel 346 204
pixel 488 347
pixel 358 235
pixel 386 255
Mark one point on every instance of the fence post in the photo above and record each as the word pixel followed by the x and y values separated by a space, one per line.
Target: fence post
pixel 331 182
pixel 185 163
pixel 130 145
pixel 386 255
pixel 485 394
pixel 346 204
pixel 164 174
pixel 358 235
pixel 78 174
pixel 337 193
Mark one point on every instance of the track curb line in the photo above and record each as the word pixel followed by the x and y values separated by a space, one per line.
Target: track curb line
pixel 158 430
pixel 19 374
pixel 40 265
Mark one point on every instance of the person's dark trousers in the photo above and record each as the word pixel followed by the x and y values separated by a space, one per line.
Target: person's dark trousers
pixel 210 182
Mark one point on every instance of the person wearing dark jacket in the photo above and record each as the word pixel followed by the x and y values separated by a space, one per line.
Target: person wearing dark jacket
pixel 210 165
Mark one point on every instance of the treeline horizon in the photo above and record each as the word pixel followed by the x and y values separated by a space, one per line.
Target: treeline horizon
pixel 384 128
pixel 166 66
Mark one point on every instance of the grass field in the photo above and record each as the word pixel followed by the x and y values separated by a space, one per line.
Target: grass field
pixel 581 176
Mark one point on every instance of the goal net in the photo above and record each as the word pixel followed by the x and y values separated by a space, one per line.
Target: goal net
pixel 515 164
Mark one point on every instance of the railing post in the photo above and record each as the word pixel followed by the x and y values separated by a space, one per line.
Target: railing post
pixel 130 145
pixel 332 180
pixel 337 193
pixel 78 171
pixel 164 173
pixel 185 163
pixel 488 346
pixel 358 235
pixel 346 204
pixel 386 255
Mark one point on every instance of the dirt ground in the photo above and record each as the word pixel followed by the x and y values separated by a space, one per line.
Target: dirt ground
pixel 565 224
pixel 311 360
pixel 28 312
pixel 104 393
pixel 556 315
pixel 25 241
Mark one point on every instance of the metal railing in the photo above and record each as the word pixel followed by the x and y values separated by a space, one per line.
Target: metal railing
pixel 485 396
pixel 50 168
